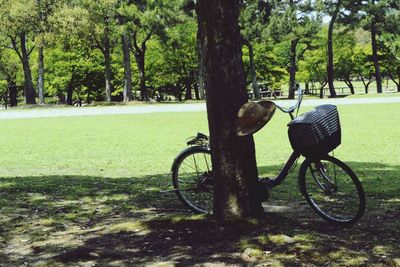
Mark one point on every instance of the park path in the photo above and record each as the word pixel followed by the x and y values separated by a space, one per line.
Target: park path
pixel 158 108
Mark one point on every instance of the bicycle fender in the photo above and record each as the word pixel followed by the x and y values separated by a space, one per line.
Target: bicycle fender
pixel 183 152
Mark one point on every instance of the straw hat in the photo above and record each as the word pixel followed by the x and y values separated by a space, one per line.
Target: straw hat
pixel 252 116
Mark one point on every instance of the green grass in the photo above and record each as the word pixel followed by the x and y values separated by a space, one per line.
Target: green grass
pixel 72 188
pixel 146 144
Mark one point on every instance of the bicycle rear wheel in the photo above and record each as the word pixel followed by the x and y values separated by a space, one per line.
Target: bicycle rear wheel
pixel 192 179
pixel 332 190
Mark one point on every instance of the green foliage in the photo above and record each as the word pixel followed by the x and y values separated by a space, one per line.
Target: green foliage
pixel 82 71
pixel 163 36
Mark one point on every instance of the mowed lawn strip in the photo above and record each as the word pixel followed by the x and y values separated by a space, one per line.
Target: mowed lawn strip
pixel 145 144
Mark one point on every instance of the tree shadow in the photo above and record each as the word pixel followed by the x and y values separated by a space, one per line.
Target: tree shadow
pixel 73 220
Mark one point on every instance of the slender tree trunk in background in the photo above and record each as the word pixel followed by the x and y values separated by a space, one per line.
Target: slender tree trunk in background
pixel 375 58
pixel 201 74
pixel 307 89
pixel 127 68
pixel 70 90
pixel 293 67
pixel 233 157
pixel 196 91
pixel 256 90
pixel 107 61
pixel 140 60
pixel 396 82
pixel 188 93
pixel 41 75
pixel 29 90
pixel 398 86
pixel 253 72
pixel 351 86
pixel 330 67
pixel 12 91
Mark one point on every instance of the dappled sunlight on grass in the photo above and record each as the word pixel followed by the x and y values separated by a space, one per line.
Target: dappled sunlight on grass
pixel 82 219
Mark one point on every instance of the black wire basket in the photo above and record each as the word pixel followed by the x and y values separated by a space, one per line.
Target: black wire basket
pixel 316 132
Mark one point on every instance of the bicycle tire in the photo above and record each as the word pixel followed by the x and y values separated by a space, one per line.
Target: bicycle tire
pixel 192 178
pixel 334 202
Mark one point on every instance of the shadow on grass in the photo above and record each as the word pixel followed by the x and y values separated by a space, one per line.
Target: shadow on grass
pixel 73 220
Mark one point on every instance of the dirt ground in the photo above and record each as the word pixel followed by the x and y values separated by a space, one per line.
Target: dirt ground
pixel 51 222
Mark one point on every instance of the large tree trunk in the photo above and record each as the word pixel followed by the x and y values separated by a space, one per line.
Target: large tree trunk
pixel 41 75
pixel 107 61
pixel 293 67
pixel 127 68
pixel 375 58
pixel 330 67
pixel 29 90
pixel 233 157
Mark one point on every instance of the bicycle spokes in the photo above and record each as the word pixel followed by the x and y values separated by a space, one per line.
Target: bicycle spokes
pixel 332 190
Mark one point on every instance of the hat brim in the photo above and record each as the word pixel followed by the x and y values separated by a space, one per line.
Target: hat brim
pixel 270 108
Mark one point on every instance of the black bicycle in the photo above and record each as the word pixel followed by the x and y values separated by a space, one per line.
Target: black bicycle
pixel 329 186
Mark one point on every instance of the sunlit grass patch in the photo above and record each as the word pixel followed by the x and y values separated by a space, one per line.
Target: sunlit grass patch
pixel 348 258
pixel 132 226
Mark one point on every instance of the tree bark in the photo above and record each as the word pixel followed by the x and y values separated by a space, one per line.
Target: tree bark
pixel 29 90
pixel 107 61
pixel 375 58
pixel 233 157
pixel 127 68
pixel 330 67
pixel 293 67
pixel 41 75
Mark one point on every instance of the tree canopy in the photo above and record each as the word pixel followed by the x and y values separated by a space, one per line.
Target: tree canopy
pixel 121 50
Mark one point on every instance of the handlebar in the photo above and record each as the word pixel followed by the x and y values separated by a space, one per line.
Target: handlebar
pixel 297 105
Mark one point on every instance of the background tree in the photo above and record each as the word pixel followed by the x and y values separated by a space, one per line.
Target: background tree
pixel 313 63
pixel 9 69
pixel 294 22
pixel 391 59
pixel 253 20
pixel 143 20
pixel 101 18
pixel 18 20
pixel 345 64
pixel 233 157
pixel 376 17
pixel 44 10
pixel 126 50
pixel 180 56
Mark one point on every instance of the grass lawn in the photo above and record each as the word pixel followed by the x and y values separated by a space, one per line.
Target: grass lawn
pixel 86 191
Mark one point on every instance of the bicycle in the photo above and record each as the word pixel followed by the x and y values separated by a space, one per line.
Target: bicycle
pixel 328 185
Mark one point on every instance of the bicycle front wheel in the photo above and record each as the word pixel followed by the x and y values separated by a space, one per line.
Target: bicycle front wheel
pixel 332 190
pixel 192 179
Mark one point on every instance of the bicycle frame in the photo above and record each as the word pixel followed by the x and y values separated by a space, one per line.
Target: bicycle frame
pixel 295 155
pixel 285 170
